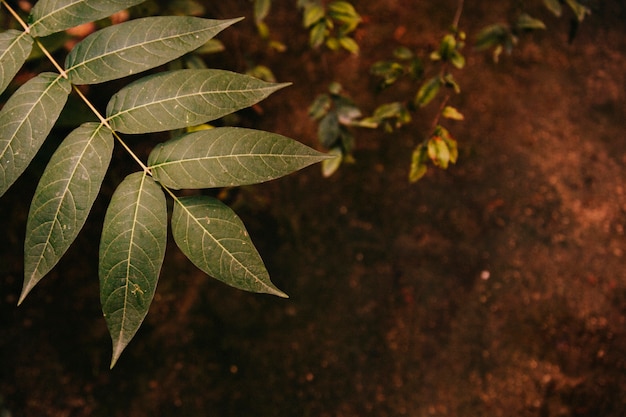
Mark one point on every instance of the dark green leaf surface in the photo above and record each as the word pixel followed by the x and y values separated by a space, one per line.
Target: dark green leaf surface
pixel 25 121
pixel 228 156
pixel 177 99
pixel 138 45
pixel 50 16
pixel 211 235
pixel 15 46
pixel 132 249
pixel 63 199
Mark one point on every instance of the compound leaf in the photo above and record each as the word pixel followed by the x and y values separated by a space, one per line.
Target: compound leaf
pixel 51 16
pixel 63 199
pixel 211 235
pixel 177 99
pixel 228 156
pixel 138 45
pixel 15 46
pixel 132 249
pixel 25 121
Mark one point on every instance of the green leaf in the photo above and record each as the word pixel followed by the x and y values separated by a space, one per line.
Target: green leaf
pixel 228 156
pixel 328 130
pixel 317 34
pixel 438 151
pixel 15 46
pixel 579 10
pixel 330 166
pixel 50 16
pixel 418 163
pixel 349 44
pixel 132 249
pixel 138 45
pixel 176 99
pixel 450 112
pixel 554 6
pixel 25 121
pixel 261 9
pixel 313 14
pixel 344 12
pixel 211 235
pixel 457 59
pixel 526 22
pixel 63 199
pixel 428 91
pixel 491 36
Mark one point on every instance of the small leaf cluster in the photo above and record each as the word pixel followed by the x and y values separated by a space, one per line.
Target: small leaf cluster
pixel 331 24
pixel 336 113
pixel 134 234
pixel 502 37
pixel 261 11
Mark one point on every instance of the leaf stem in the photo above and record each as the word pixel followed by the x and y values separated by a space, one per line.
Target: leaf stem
pixel 63 74
pixel 51 58
pixel 105 122
pixel 16 16
pixel 457 15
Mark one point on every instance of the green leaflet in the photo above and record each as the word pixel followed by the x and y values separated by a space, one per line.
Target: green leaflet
pixel 15 46
pixel 51 16
pixel 228 156
pixel 177 99
pixel 25 121
pixel 211 235
pixel 63 199
pixel 428 91
pixel 132 249
pixel 138 45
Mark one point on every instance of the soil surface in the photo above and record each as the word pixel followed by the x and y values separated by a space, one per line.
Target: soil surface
pixel 495 288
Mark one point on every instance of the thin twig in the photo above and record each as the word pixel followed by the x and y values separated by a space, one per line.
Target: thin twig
pixel 457 15
pixel 17 17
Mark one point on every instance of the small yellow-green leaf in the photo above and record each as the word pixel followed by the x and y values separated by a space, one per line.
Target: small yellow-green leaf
pixel 261 9
pixel 312 15
pixel 418 163
pixel 450 112
pixel 330 166
pixel 428 91
pixel 438 152
pixel 457 59
pixel 554 6
pixel 491 36
pixel 526 22
pixel 579 10
pixel 349 44
pixel 317 34
pixel 213 237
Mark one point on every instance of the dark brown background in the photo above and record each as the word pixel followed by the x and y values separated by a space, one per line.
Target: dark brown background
pixel 496 288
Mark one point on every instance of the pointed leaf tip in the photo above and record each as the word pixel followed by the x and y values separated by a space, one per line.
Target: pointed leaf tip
pixel 132 249
pixel 228 156
pixel 138 45
pixel 64 197
pixel 213 237
pixel 176 99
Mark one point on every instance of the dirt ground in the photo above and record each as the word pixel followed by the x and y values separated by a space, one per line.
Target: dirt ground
pixel 495 288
